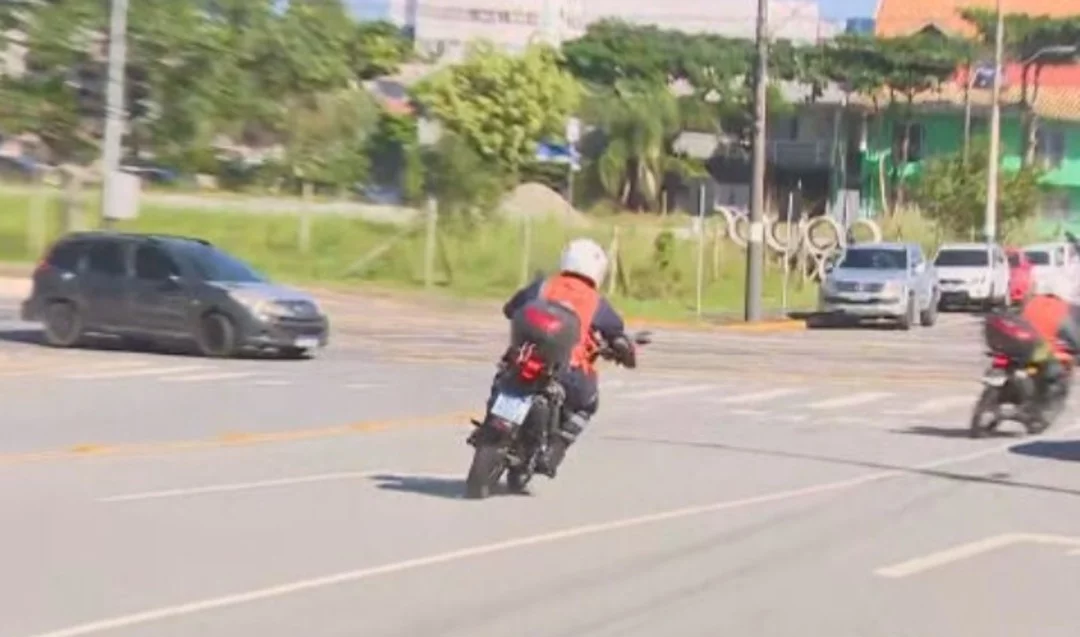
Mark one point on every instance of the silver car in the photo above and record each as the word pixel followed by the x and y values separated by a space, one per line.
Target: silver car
pixel 892 281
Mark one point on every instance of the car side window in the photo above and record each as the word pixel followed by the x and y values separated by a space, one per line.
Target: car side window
pixel 65 256
pixel 152 264
pixel 106 258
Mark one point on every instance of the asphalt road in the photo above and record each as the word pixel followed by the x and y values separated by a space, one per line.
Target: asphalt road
pixel 767 485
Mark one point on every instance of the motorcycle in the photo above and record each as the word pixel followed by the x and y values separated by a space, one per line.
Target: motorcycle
pixel 1011 389
pixel 518 430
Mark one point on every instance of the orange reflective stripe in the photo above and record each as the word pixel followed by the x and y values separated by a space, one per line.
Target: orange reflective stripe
pixel 584 300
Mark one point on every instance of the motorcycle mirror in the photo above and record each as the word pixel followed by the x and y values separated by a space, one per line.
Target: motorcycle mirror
pixel 643 338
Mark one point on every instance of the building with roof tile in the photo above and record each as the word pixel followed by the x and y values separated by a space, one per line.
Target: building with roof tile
pixel 939 125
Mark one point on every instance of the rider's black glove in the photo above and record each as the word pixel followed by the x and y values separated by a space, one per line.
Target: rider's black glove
pixel 625 352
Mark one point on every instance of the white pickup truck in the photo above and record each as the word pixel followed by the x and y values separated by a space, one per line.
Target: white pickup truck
pixel 972 274
pixel 1054 269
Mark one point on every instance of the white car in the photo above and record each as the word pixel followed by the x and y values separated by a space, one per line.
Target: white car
pixel 1053 269
pixel 972 274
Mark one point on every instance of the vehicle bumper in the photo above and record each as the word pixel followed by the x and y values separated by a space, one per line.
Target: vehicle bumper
pixel 964 296
pixel 287 332
pixel 872 308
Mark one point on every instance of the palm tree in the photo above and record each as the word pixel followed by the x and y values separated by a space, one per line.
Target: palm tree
pixel 638 124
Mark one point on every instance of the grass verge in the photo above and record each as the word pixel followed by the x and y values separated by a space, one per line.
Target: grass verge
pixel 474 260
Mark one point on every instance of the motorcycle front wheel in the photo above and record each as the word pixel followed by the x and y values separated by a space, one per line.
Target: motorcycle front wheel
pixel 487 467
pixel 986 405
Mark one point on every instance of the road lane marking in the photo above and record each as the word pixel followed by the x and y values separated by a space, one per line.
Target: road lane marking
pixel 757 397
pixel 231 487
pixel 358 575
pixel 972 549
pixel 670 391
pixel 131 373
pixel 853 400
pixel 239 486
pixel 272 383
pixel 362 386
pixel 235 439
pixel 195 378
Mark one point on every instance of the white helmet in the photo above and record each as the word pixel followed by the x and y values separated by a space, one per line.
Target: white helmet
pixel 585 258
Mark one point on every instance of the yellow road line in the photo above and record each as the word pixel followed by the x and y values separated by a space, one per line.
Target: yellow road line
pixel 231 439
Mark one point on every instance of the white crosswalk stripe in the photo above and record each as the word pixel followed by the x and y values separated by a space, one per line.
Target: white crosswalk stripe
pixel 852 400
pixel 132 373
pixel 678 390
pixel 758 397
pixel 198 378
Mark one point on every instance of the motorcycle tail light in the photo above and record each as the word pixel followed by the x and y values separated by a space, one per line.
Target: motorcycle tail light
pixel 1000 361
pixel 531 368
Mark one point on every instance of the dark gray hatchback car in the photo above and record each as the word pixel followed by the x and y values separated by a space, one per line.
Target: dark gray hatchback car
pixel 157 288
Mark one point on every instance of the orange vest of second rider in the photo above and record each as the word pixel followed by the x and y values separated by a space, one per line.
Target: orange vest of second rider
pixel 584 300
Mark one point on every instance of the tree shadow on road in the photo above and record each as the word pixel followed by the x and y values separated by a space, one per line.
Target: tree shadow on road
pixel 994 479
pixel 1065 450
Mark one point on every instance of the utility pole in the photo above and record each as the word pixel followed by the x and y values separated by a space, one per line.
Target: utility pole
pixel 115 109
pixel 755 253
pixel 990 222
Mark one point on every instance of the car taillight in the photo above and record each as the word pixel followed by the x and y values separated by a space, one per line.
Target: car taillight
pixel 530 368
pixel 1000 361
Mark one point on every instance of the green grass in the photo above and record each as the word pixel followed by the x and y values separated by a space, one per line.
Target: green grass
pixel 483 260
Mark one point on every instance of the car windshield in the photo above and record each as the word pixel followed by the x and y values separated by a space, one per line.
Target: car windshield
pixel 213 264
pixel 874 259
pixel 962 258
pixel 1037 257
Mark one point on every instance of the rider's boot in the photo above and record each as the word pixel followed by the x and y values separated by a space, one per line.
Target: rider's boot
pixel 570 428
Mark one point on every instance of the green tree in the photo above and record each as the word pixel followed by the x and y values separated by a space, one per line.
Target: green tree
pixel 952 192
pixel 639 122
pixel 461 178
pixel 377 49
pixel 328 136
pixel 502 104
pixel 394 150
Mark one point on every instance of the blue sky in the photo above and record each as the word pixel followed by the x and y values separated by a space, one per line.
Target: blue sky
pixel 840 9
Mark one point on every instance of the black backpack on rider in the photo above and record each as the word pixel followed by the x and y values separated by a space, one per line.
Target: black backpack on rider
pixel 548 328
pixel 1011 335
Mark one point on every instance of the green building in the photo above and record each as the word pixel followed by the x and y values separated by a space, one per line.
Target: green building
pixel 938 128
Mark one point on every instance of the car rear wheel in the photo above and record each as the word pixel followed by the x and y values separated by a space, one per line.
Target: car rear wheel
pixel 216 336
pixel 63 324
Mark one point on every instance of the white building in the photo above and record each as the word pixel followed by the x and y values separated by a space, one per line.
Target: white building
pixel 445 27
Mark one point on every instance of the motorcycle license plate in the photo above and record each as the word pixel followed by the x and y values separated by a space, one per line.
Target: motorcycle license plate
pixel 512 409
pixel 995 379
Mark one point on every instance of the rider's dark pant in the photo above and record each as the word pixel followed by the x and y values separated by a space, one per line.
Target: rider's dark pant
pixel 582 391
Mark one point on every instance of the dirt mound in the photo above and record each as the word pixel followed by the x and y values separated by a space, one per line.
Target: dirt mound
pixel 537 201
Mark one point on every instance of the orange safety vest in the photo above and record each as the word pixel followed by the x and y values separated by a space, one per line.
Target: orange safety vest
pixel 584 300
pixel 1045 314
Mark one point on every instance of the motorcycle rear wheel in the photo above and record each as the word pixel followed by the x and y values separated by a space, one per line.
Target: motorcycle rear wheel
pixel 988 401
pixel 487 467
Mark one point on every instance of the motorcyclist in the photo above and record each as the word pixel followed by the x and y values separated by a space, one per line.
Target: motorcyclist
pixel 582 269
pixel 1057 323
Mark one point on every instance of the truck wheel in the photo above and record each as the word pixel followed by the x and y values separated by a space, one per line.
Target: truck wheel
pixel 906 321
